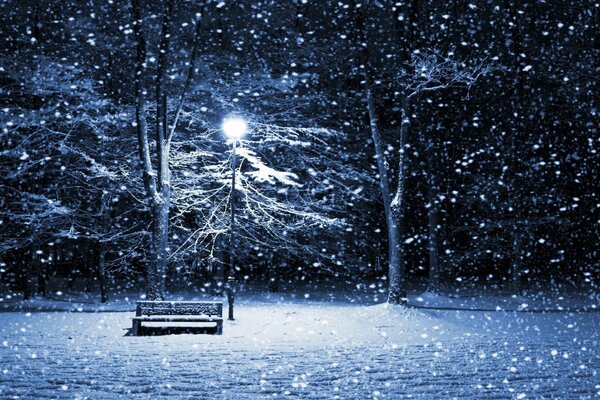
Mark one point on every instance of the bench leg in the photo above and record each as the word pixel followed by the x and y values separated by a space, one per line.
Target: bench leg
pixel 135 329
pixel 220 328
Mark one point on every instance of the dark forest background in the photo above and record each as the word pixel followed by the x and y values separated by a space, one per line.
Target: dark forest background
pixel 501 168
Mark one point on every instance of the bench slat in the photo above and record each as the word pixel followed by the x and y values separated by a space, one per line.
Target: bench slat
pixel 179 308
pixel 174 318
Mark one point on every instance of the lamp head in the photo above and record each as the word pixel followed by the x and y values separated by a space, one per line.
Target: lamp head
pixel 234 127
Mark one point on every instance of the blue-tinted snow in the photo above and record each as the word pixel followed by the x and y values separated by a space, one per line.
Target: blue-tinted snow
pixel 305 348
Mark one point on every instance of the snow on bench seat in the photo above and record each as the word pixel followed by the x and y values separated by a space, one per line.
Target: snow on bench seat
pixel 180 318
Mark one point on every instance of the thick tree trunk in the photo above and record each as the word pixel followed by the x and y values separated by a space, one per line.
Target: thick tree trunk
pixel 157 254
pixel 405 20
pixel 397 204
pixel 396 268
pixel 396 292
pixel 158 186
pixel 160 222
pixel 158 265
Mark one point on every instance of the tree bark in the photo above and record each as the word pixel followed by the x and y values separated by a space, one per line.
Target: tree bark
pixel 434 237
pixel 154 274
pixel 397 204
pixel 161 207
pixel 405 19
pixel 395 290
pixel 514 184
pixel 102 274
pixel 41 282
pixel 396 268
pixel 158 186
pixel 274 279
pixel 149 177
pixel 517 263
pixel 26 270
pixel 88 264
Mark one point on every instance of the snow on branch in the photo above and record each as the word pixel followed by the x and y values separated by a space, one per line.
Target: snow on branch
pixel 286 181
pixel 264 173
pixel 431 70
pixel 293 136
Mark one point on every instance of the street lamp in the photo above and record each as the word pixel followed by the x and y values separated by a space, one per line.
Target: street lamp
pixel 234 128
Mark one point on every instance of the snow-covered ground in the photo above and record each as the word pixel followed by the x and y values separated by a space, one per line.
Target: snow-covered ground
pixel 538 302
pixel 305 349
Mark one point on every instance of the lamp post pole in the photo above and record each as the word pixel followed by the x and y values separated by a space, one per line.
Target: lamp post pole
pixel 234 128
pixel 231 278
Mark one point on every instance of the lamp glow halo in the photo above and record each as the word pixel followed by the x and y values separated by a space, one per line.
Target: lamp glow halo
pixel 234 127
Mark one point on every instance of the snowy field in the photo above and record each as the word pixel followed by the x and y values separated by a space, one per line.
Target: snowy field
pixel 315 350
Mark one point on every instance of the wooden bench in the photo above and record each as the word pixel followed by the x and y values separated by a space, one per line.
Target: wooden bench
pixel 178 311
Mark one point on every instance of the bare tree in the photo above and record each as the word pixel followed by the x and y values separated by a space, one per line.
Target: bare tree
pixel 157 178
pixel 427 71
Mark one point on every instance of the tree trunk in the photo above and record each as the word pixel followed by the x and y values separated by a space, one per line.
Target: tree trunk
pixel 102 274
pixel 140 103
pixel 434 240
pixel 433 222
pixel 89 268
pixel 161 203
pixel 518 132
pixel 71 280
pixel 158 186
pixel 26 270
pixel 274 279
pixel 396 268
pixel 41 279
pixel 157 272
pixel 405 21
pixel 517 263
pixel 397 204
pixel 154 286
pixel 396 292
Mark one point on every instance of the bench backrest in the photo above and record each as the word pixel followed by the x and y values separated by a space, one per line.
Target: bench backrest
pixel 211 308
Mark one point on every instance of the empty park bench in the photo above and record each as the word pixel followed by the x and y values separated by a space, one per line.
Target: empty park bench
pixel 178 311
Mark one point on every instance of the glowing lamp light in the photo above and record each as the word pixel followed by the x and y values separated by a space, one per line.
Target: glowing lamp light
pixel 234 128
